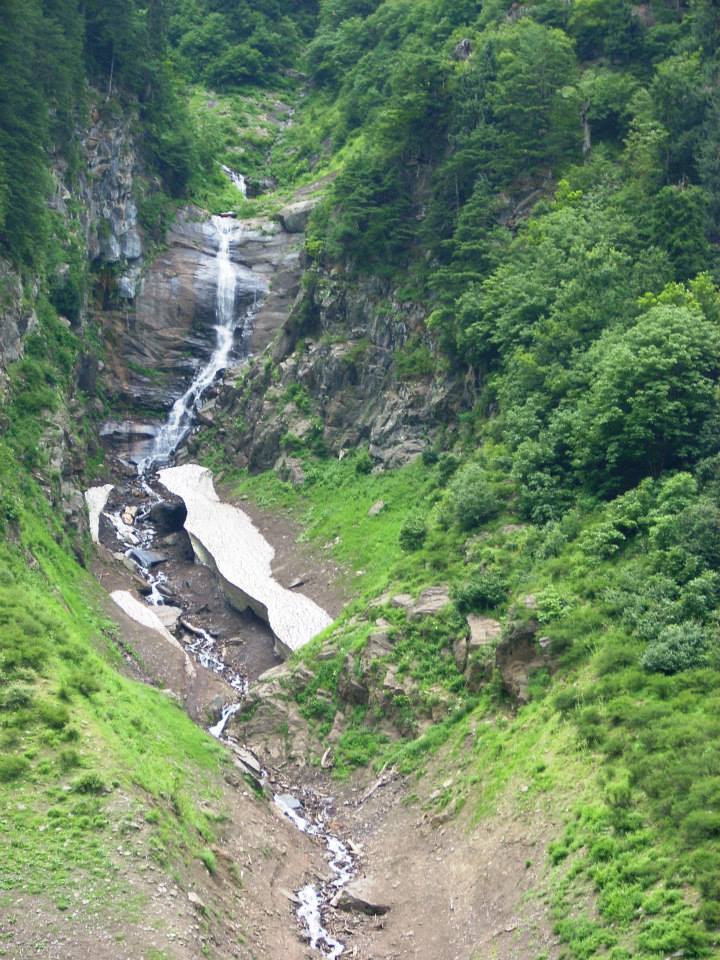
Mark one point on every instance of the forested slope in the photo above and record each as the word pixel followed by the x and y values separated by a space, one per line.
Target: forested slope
pixel 526 217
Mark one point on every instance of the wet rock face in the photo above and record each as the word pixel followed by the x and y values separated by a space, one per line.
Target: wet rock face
pixel 168 330
pixel 105 188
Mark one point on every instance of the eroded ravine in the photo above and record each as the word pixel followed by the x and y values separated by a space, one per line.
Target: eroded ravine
pixel 123 517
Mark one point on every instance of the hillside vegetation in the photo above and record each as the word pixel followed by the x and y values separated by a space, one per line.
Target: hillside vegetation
pixel 540 182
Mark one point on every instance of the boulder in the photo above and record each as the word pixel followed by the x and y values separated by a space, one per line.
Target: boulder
pixel 350 688
pixel 379 644
pixel 430 602
pixel 168 516
pixel 290 470
pixel 361 896
pixel 463 50
pixel 483 631
pixel 196 901
pixel 167 615
pixel 376 508
pixel 402 601
pixel 146 558
pixel 295 216
pixel 517 656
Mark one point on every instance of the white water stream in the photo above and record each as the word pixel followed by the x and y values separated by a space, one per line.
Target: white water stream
pixel 237 179
pixel 313 897
pixel 242 559
pixel 182 415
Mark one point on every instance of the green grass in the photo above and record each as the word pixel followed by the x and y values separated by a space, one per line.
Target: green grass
pixel 332 506
pixel 84 751
pixel 627 759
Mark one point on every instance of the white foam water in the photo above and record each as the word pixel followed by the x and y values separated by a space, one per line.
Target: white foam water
pixel 182 414
pixel 237 179
pixel 312 898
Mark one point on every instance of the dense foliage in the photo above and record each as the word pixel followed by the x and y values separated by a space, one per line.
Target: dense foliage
pixel 49 51
pixel 227 44
pixel 546 180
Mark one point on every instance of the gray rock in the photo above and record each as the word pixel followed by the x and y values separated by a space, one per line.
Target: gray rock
pixel 350 688
pixel 295 216
pixel 361 896
pixel 168 516
pixel 126 287
pixel 147 558
pixel 463 50
pixel 376 508
pixel 402 601
pixel 131 245
pixel 483 631
pixel 168 615
pixel 430 602
pixel 196 901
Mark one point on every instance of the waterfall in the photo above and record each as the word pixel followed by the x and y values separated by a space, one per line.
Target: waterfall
pixel 237 178
pixel 183 411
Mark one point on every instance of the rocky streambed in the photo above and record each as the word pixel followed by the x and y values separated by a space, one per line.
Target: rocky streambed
pixel 179 593
pixel 197 575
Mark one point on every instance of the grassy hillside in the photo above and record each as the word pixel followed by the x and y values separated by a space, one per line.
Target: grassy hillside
pixel 84 751
pixel 627 700
pixel 545 195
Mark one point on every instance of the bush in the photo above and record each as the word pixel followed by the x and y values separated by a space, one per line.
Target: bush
pixel 678 647
pixel 16 697
pixel 53 715
pixel 11 768
pixel 363 462
pixel 447 467
pixel 484 592
pixel 471 499
pixel 413 532
pixel 90 783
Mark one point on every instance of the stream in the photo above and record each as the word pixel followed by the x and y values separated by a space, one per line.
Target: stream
pixel 224 539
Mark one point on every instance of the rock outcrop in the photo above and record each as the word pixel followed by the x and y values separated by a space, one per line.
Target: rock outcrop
pixel 347 369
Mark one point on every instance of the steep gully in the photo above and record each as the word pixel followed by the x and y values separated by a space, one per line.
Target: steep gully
pixel 124 516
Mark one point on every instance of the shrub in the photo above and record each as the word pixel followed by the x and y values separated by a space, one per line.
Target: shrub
pixel 413 532
pixel 447 467
pixel 363 462
pixel 484 592
pixel 90 783
pixel 85 682
pixel 471 499
pixel 16 697
pixel 53 715
pixel 414 362
pixel 69 759
pixel 679 646
pixel 11 768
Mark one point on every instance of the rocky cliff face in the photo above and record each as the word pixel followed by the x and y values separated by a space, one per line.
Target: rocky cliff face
pixel 160 336
pixel 348 372
pixel 97 224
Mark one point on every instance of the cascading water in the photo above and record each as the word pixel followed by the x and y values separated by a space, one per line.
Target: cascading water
pixel 183 411
pixel 136 536
pixel 237 178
